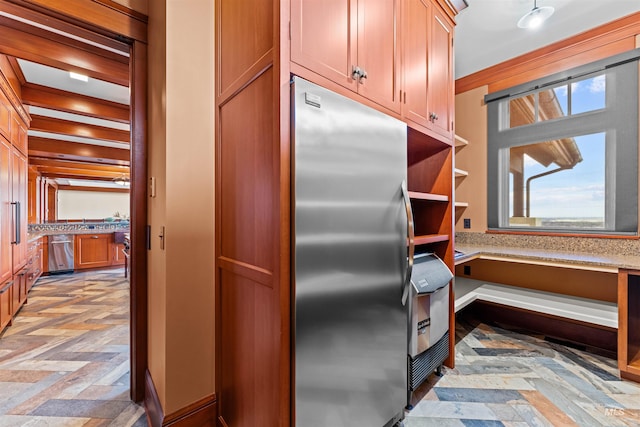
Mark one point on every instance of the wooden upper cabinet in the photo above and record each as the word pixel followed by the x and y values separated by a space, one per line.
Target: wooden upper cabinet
pixel 441 91
pixel 378 52
pixel 19 134
pixel 416 26
pixel 428 68
pixel 5 116
pixel 335 38
pixel 323 38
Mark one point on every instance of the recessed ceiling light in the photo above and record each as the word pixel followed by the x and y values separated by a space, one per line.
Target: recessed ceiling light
pixel 77 76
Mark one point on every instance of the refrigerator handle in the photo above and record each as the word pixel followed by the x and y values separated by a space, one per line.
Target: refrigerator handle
pixel 16 223
pixel 410 240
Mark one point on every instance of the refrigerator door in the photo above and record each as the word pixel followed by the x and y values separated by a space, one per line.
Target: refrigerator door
pixel 350 261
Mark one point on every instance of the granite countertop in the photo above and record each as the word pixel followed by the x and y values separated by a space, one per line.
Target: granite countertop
pixel 586 259
pixel 37 231
pixel 37 234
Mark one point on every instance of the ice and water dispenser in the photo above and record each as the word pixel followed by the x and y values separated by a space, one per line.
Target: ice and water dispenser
pixel 428 318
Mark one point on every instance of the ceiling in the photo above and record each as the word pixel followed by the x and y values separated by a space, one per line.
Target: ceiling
pixel 90 146
pixel 486 32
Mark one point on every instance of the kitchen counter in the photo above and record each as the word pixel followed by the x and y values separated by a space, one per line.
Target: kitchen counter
pixel 591 254
pixel 542 256
pixel 39 230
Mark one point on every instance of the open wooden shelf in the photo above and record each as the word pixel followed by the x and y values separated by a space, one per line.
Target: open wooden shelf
pixel 430 238
pixel 460 141
pixel 460 173
pixel 461 205
pixel 416 195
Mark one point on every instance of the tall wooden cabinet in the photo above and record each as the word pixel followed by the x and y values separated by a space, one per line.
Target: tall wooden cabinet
pixel 19 203
pixel 6 213
pixel 13 200
pixel 354 47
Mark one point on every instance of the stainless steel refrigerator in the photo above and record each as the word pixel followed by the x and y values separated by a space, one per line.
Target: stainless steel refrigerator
pixel 350 258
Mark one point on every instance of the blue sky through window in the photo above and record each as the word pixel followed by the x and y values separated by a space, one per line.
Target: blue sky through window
pixel 579 192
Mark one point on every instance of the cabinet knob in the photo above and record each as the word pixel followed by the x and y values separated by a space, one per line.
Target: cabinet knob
pixel 433 117
pixel 356 73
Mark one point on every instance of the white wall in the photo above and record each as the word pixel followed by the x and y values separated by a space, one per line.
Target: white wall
pixel 91 204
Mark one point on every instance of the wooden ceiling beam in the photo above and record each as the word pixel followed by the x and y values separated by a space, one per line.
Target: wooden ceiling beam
pixel 68 127
pixel 45 20
pixel 39 162
pixel 63 175
pixel 96 189
pixel 48 170
pixel 49 49
pixel 57 149
pixel 60 100
pixel 111 20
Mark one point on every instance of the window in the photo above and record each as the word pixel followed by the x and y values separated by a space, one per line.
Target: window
pixel 563 151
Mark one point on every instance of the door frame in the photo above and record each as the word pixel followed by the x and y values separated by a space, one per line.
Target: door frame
pixel 105 18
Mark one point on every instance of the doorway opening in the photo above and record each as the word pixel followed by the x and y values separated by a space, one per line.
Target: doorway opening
pixel 87 136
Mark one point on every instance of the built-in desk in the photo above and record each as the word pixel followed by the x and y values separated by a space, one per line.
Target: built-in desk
pixel 602 290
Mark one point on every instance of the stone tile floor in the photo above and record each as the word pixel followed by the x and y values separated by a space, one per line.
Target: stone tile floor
pixel 65 362
pixel 506 378
pixel 65 359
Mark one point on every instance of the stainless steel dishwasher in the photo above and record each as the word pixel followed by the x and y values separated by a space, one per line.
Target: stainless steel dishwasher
pixel 61 253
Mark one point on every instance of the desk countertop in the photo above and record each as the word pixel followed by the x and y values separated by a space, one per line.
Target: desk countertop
pixel 605 262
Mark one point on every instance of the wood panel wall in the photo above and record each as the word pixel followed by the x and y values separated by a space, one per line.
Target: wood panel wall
pixel 252 214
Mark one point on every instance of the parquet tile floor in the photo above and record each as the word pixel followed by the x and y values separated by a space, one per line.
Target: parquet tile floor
pixel 510 378
pixel 65 362
pixel 65 359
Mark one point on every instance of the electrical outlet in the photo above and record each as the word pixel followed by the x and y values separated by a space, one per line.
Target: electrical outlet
pixel 467 270
pixel 467 223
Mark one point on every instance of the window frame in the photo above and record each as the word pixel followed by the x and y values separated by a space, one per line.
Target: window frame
pixel 619 121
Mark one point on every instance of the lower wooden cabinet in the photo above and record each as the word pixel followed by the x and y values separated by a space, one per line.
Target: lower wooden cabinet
pixel 92 250
pixel 118 254
pixel 97 250
pixel 35 265
pixel 6 310
pixel 19 293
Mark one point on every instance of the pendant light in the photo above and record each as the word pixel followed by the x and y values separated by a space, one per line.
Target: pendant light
pixel 536 16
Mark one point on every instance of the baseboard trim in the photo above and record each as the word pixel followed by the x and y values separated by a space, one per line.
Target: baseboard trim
pixel 202 413
pixel 629 376
pixel 152 405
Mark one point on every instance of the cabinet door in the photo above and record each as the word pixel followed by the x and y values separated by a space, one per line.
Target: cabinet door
pixel 6 311
pixel 415 38
pixel 323 38
pixel 441 74
pixel 92 250
pixel 5 116
pixel 118 255
pixel 19 190
pixel 6 212
pixel 18 133
pixel 378 52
